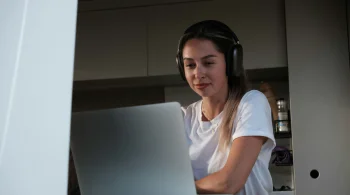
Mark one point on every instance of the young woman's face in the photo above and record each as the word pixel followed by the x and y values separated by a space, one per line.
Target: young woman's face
pixel 205 67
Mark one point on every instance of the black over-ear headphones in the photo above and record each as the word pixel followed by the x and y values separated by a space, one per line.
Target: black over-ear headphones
pixel 234 56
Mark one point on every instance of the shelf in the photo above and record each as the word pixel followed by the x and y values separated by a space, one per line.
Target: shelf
pixel 254 75
pixel 282 135
pixel 281 170
pixel 283 193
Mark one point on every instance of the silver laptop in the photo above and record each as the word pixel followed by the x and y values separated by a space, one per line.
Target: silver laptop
pixel 139 150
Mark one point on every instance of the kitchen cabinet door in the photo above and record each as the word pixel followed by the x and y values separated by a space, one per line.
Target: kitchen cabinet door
pixel 108 4
pixel 165 27
pixel 260 27
pixel 111 44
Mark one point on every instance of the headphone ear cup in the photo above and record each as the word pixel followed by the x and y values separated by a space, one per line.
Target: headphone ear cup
pixel 180 66
pixel 237 60
pixel 229 61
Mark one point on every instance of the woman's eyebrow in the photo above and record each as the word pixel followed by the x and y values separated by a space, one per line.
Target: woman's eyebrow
pixel 187 59
pixel 209 56
pixel 204 57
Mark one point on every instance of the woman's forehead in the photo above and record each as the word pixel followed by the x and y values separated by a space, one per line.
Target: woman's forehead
pixel 199 48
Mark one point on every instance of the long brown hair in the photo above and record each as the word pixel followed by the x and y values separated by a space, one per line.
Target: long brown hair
pixel 222 37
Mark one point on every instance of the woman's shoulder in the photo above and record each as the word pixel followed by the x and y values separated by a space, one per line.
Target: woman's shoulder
pixel 254 100
pixel 253 94
pixel 254 97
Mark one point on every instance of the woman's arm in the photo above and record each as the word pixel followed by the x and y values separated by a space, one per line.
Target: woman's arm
pixel 232 177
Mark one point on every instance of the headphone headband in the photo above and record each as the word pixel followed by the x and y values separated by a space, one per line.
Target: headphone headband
pixel 219 27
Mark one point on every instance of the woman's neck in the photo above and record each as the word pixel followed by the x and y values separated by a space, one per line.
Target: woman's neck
pixel 213 106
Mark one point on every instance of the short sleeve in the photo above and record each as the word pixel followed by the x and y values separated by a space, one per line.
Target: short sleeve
pixel 254 117
pixel 183 111
pixel 186 113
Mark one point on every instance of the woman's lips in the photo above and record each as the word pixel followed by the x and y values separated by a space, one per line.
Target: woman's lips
pixel 201 86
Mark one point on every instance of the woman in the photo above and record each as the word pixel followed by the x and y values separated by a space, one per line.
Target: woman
pixel 230 130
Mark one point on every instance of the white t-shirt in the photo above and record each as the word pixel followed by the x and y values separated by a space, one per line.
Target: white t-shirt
pixel 254 119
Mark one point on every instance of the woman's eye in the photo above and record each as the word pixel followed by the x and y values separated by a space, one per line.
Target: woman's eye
pixel 209 63
pixel 190 65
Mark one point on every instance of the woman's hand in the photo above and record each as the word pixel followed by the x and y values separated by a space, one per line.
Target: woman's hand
pixel 232 177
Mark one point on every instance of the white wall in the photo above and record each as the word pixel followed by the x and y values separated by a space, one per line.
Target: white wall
pixel 97 99
pixel 182 94
pixel 36 60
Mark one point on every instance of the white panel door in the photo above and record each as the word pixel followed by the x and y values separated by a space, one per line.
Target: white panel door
pixel 319 80
pixel 36 74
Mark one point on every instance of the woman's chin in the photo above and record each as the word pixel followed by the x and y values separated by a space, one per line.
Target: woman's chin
pixel 203 93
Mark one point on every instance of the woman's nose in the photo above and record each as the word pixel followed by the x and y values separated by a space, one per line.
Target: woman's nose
pixel 199 72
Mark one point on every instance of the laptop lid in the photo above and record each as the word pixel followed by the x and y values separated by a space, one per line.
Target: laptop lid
pixel 134 150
